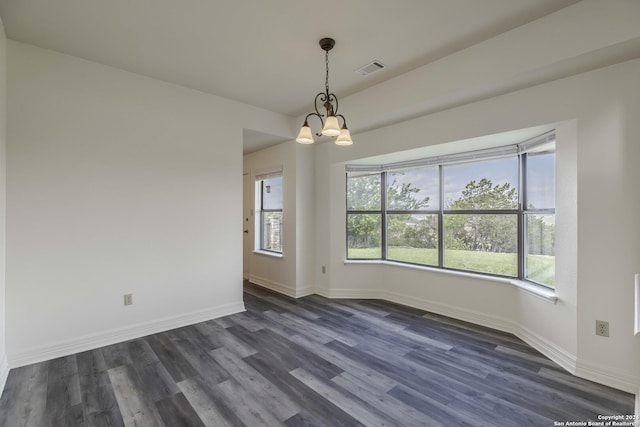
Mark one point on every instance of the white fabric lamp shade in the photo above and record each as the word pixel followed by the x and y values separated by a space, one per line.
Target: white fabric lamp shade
pixel 331 127
pixel 305 136
pixel 344 138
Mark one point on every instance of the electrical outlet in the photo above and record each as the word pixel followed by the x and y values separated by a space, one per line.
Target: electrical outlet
pixel 602 328
pixel 128 299
pixel 324 269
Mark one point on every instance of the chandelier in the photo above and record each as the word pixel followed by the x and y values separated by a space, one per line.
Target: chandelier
pixel 329 101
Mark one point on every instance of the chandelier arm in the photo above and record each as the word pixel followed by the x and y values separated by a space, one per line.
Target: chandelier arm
pixel 333 98
pixel 312 114
pixel 344 121
pixel 323 98
pixel 319 116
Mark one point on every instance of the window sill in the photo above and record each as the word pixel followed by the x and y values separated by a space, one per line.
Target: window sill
pixel 269 254
pixel 536 290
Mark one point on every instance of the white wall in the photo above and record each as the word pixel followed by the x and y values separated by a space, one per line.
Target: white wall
pixel 275 272
pixel 117 183
pixel 597 247
pixel 584 36
pixel 553 328
pixel 305 220
pixel 4 371
pixel 608 239
pixel 290 274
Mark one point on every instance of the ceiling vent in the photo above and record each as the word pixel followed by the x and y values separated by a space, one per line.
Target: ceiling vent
pixel 370 68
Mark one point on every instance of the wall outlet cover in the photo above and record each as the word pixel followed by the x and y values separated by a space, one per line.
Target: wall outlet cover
pixel 602 328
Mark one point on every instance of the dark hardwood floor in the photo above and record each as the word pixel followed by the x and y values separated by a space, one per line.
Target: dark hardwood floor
pixel 308 362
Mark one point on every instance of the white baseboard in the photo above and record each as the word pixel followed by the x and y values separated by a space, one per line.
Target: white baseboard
pixel 281 288
pixel 471 316
pixel 350 293
pixel 576 366
pixel 323 292
pixel 606 376
pixel 4 373
pixel 559 355
pixel 303 292
pixel 427 305
pixel 89 342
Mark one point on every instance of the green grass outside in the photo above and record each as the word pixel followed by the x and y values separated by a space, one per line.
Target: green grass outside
pixel 541 268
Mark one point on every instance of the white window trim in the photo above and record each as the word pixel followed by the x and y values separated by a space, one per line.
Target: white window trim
pixel 268 253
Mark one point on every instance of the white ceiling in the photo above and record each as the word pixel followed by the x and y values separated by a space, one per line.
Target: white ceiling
pixel 265 53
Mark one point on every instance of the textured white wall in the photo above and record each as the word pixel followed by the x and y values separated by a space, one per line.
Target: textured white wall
pixel 596 253
pixel 305 220
pixel 583 36
pixel 3 193
pixel 276 272
pixel 608 225
pixel 597 250
pixel 293 273
pixel 117 184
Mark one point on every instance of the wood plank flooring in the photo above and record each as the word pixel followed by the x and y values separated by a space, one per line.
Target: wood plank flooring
pixel 308 362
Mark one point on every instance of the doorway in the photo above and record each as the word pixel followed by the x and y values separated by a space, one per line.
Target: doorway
pixel 246 225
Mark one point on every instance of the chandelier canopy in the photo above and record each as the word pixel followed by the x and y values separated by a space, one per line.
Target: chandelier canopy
pixel 328 100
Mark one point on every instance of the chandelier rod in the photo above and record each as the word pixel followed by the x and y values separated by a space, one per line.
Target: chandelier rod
pixel 326 79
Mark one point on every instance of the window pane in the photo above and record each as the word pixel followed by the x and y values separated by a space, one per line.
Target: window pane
pixel 413 189
pixel 272 193
pixel 484 243
pixel 490 184
pixel 364 236
pixel 541 254
pixel 363 193
pixel 412 238
pixel 272 231
pixel 541 181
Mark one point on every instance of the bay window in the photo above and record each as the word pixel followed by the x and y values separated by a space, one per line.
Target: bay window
pixel 488 211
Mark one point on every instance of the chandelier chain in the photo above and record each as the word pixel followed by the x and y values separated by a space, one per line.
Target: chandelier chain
pixel 326 79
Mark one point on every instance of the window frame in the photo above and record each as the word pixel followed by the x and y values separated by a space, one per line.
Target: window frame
pixel 383 234
pixel 523 251
pixel 436 212
pixel 521 212
pixel 262 210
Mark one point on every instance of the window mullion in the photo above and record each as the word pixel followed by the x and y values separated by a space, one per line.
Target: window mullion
pixel 482 211
pixel 346 217
pixel 262 243
pixel 416 212
pixel 522 233
pixel 441 218
pixel 383 213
